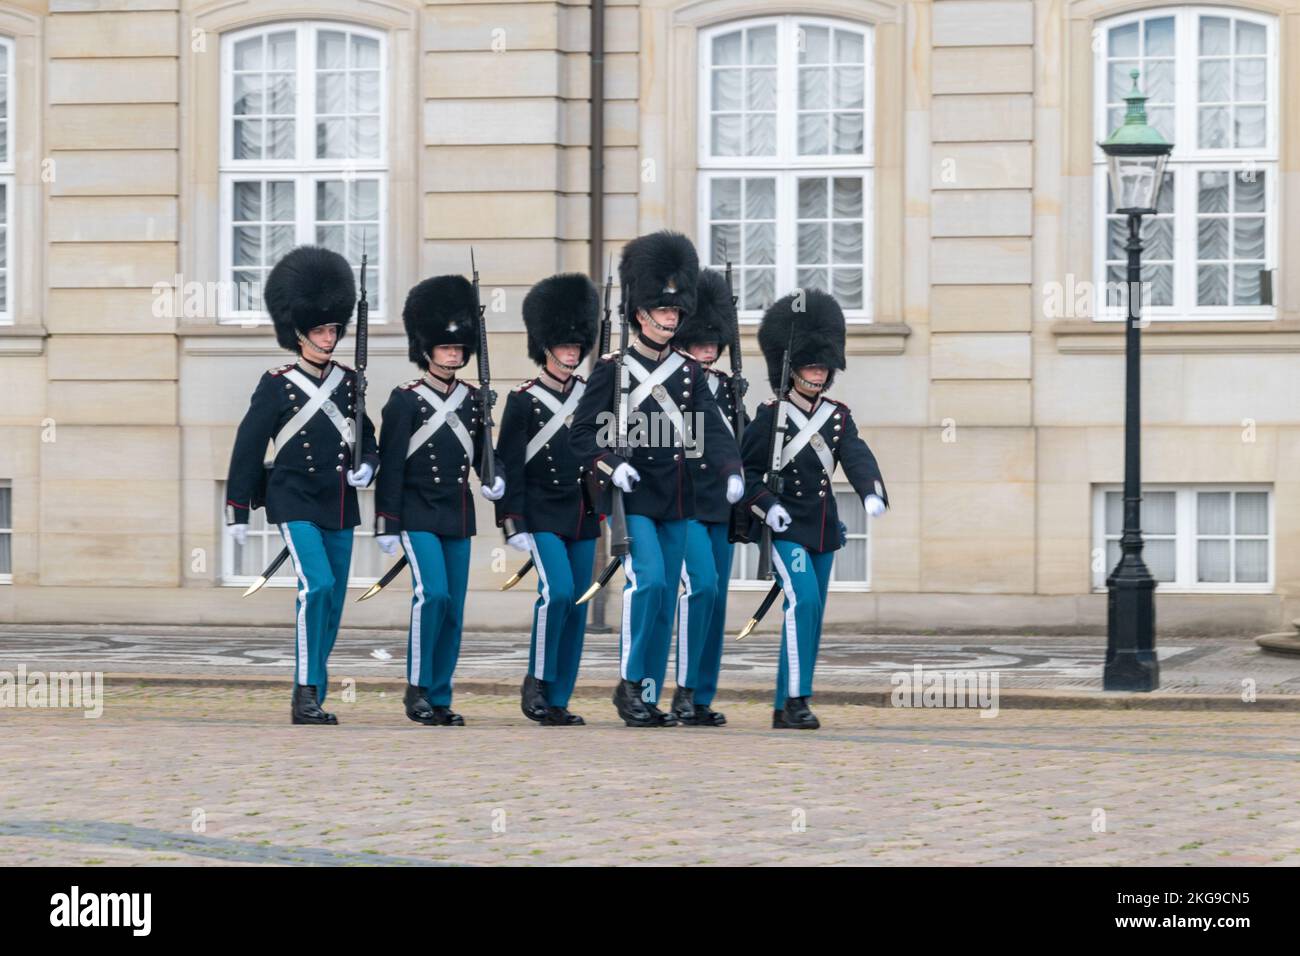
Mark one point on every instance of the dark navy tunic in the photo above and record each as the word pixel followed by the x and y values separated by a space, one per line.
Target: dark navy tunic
pixel 307 481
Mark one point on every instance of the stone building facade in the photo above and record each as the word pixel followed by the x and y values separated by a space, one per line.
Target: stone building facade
pixel 934 162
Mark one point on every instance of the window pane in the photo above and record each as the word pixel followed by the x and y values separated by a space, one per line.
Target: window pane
pixel 726 89
pixel 847 287
pixel 760 134
pixel 760 243
pixel 848 198
pixel 1252 38
pixel 1249 79
pixel 1252 562
pixel 812 198
pixel 1160 36
pixel 1212 285
pixel 1214 36
pixel 848 46
pixel 761 48
pixel 1248 191
pixel 814 134
pixel 331 50
pixel 1215 76
pixel 248 54
pixel 1159 556
pixel 1212 561
pixel 1252 512
pixel 1158 516
pixel 726 49
pixel 725 140
pixel 1124 40
pixel 814 88
pixel 724 199
pixel 1249 127
pixel 1213 127
pixel 1212 514
pixel 847 129
pixel 850 562
pixel 1114 512
pixel 814 46
pixel 760 198
pixel 812 243
pixel 6 509
pixel 365 53
pixel 760 89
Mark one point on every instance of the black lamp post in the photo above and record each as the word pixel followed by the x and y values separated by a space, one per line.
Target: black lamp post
pixel 1136 154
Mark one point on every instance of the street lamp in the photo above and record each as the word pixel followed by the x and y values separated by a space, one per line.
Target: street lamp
pixel 1136 154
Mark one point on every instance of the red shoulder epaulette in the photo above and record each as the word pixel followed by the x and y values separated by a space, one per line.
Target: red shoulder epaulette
pixel 279 369
pixel 346 368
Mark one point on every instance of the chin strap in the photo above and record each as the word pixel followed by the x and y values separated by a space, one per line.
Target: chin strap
pixel 305 342
pixel 813 387
pixel 647 317
pixel 564 365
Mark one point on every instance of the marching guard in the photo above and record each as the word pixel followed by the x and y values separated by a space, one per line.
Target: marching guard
pixel 648 385
pixel 310 489
pixel 814 434
pixel 702 605
pixel 545 512
pixel 431 432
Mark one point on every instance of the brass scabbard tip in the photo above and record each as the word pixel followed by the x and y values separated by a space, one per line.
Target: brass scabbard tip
pixel 511 581
pixel 747 629
pixel 588 594
pixel 255 586
pixel 370 592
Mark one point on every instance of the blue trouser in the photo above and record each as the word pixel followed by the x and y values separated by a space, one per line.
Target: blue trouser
pixel 702 608
pixel 440 571
pixel 649 596
pixel 804 577
pixel 563 568
pixel 322 558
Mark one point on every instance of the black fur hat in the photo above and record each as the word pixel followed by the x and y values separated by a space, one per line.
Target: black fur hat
pixel 440 311
pixel 818 324
pixel 659 269
pixel 310 286
pixel 714 318
pixel 561 310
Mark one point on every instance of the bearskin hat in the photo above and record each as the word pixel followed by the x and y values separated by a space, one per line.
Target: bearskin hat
pixel 310 286
pixel 714 318
pixel 659 270
pixel 561 310
pixel 440 311
pixel 817 323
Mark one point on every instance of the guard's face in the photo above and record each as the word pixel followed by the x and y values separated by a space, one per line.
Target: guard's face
pixel 814 375
pixel 664 316
pixel 449 356
pixel 324 338
pixel 568 354
pixel 705 354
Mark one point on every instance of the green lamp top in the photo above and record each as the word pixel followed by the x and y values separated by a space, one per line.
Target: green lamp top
pixel 1134 133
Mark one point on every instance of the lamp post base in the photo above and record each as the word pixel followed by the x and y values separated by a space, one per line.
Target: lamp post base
pixel 1131 662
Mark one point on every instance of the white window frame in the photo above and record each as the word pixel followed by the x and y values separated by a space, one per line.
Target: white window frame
pixel 1185 538
pixel 1186 160
pixel 7 180
pixel 305 170
pixel 754 584
pixel 259 528
pixel 7 577
pixel 787 166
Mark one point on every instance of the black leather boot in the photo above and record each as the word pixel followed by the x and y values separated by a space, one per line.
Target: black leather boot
pixel 560 717
pixel 418 707
pixel 795 716
pixel 662 719
pixel 305 708
pixel 706 716
pixel 444 716
pixel 684 705
pixel 532 698
pixel 630 706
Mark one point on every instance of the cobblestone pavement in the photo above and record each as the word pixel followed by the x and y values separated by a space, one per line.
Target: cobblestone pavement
pixel 846 662
pixel 874 786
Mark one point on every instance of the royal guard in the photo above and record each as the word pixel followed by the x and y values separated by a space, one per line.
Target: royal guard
pixel 431 433
pixel 646 410
pixel 813 434
pixel 307 410
pixel 705 334
pixel 545 512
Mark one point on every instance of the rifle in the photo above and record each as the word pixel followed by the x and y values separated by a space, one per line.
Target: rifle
pixel 486 397
pixel 738 526
pixel 775 484
pixel 363 327
pixel 606 326
pixel 620 542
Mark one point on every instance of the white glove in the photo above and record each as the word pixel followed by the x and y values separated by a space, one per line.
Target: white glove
pixel 388 543
pixel 625 476
pixel 874 504
pixel 778 519
pixel 497 491
pixel 361 477
pixel 519 542
pixel 735 488
pixel 240 533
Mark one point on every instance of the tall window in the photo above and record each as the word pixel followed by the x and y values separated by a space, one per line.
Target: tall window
pixel 6 174
pixel 1211 77
pixel 852 568
pixel 241 564
pixel 6 532
pixel 785 189
pixel 1196 537
pixel 303 154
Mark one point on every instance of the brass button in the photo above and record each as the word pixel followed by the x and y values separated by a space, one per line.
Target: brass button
pixel 437 481
pixel 311 469
pixel 460 481
pixel 306 444
pixel 338 467
pixel 821 494
pixel 309 458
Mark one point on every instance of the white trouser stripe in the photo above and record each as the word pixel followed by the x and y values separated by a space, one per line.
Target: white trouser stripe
pixel 413 665
pixel 625 634
pixel 791 628
pixel 539 616
pixel 684 629
pixel 302 607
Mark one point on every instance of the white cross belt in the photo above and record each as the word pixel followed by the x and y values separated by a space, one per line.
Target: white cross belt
pixel 318 400
pixel 444 413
